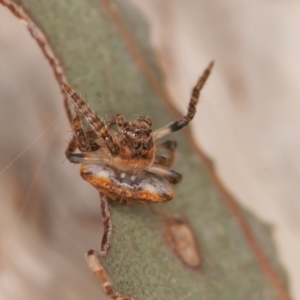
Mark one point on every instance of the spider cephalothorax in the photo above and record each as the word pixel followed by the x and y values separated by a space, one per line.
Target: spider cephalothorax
pixel 136 145
pixel 126 165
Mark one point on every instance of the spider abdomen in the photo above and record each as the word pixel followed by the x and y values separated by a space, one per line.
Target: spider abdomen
pixel 128 187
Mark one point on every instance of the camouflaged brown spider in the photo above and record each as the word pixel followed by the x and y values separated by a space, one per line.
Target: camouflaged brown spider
pixel 125 165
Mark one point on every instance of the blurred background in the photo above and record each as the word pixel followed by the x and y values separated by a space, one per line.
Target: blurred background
pixel 247 122
pixel 48 218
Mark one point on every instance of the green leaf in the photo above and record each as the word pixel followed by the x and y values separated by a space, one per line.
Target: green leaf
pixel 100 66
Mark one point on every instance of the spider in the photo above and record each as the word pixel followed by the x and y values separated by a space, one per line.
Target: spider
pixel 126 165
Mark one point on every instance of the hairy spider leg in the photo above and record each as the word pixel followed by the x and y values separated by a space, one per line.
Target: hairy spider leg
pixel 72 147
pixel 121 122
pixel 112 120
pixel 107 225
pixel 80 140
pixel 145 119
pixel 179 124
pixel 99 126
pixel 85 139
pixel 91 137
pixel 167 160
pixel 95 266
pixel 170 175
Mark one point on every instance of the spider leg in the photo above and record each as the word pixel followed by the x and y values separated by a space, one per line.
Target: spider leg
pixel 99 126
pixel 72 146
pixel 112 120
pixel 89 157
pixel 107 225
pixel 119 120
pixel 80 141
pixel 91 136
pixel 95 266
pixel 80 136
pixel 85 140
pixel 171 175
pixel 179 124
pixel 168 160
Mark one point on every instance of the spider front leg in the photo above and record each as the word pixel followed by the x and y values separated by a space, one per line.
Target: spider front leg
pixel 179 124
pixel 99 126
pixel 80 141
pixel 166 161
pixel 85 140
